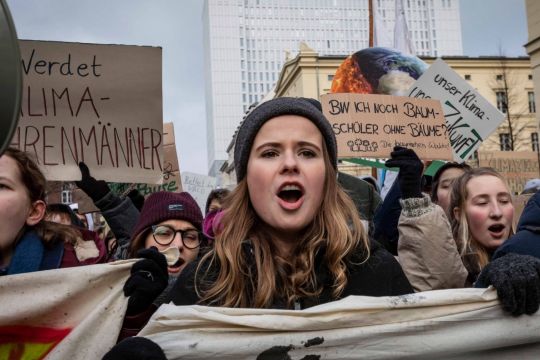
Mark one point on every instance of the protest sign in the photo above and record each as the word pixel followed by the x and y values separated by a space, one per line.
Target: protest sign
pixel 198 186
pixel 171 171
pixel 84 203
pixel 371 125
pixel 101 104
pixel 442 324
pixel 170 176
pixel 73 313
pixel 516 166
pixel 470 118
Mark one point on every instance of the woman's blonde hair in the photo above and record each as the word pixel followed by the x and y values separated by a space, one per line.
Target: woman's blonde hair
pixel 259 280
pixel 474 255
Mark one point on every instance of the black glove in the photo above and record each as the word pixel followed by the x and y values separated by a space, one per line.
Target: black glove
pixel 149 277
pixel 136 198
pixel 96 189
pixel 135 348
pixel 517 280
pixel 410 171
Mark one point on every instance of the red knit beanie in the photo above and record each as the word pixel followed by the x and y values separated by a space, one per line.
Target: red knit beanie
pixel 164 205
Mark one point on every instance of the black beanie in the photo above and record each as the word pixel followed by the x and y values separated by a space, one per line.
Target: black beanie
pixel 304 107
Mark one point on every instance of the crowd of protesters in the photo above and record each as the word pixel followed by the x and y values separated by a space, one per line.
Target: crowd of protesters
pixel 292 234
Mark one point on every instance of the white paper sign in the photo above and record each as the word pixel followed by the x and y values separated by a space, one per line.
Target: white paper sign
pixel 198 186
pixel 470 118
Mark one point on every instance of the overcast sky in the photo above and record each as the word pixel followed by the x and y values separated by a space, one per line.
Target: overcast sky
pixel 176 26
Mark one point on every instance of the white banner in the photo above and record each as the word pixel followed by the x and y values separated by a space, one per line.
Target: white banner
pixel 443 324
pixel 72 313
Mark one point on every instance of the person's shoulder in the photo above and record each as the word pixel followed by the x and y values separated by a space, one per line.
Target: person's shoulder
pixel 524 242
pixel 376 273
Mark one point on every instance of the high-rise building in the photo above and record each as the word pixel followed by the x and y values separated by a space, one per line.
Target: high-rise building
pixel 246 43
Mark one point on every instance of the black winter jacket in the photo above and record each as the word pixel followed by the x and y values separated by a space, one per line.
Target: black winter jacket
pixel 526 240
pixel 380 275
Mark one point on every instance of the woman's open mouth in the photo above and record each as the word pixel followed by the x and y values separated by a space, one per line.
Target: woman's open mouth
pixel 291 196
pixel 174 268
pixel 497 230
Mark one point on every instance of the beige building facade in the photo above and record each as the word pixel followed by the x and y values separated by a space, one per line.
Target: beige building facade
pixel 533 45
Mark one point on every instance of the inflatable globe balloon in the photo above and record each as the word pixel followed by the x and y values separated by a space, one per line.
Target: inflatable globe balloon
pixel 378 70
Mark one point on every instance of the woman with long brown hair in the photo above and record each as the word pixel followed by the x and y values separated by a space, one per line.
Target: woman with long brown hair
pixel 291 237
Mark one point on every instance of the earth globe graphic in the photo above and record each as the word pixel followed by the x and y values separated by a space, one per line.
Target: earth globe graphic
pixel 378 70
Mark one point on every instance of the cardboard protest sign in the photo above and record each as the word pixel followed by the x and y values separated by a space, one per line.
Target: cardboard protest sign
pixel 84 202
pixel 371 125
pixel 170 176
pixel 517 166
pixel 198 186
pixel 449 324
pixel 101 104
pixel 171 170
pixel 73 313
pixel 470 118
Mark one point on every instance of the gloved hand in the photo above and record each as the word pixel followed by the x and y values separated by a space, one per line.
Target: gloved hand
pixel 135 348
pixel 149 277
pixel 410 171
pixel 96 189
pixel 136 198
pixel 517 280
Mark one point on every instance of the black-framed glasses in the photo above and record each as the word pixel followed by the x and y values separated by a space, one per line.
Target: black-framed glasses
pixel 164 235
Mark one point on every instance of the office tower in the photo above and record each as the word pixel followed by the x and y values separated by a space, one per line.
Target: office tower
pixel 246 42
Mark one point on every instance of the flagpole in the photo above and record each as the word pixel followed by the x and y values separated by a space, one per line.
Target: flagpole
pixel 370 7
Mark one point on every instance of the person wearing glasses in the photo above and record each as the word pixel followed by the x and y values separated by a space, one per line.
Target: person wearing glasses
pixel 169 221
pixel 167 237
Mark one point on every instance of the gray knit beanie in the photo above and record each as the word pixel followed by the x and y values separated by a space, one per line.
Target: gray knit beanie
pixel 308 108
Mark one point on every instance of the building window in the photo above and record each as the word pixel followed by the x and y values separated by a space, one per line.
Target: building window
pixel 467 77
pixel 66 197
pixel 534 141
pixel 532 104
pixel 330 77
pixel 501 101
pixel 504 139
pixel 530 76
pixel 499 77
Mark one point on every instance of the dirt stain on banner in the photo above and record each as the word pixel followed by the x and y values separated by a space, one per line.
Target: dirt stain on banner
pixel 282 352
